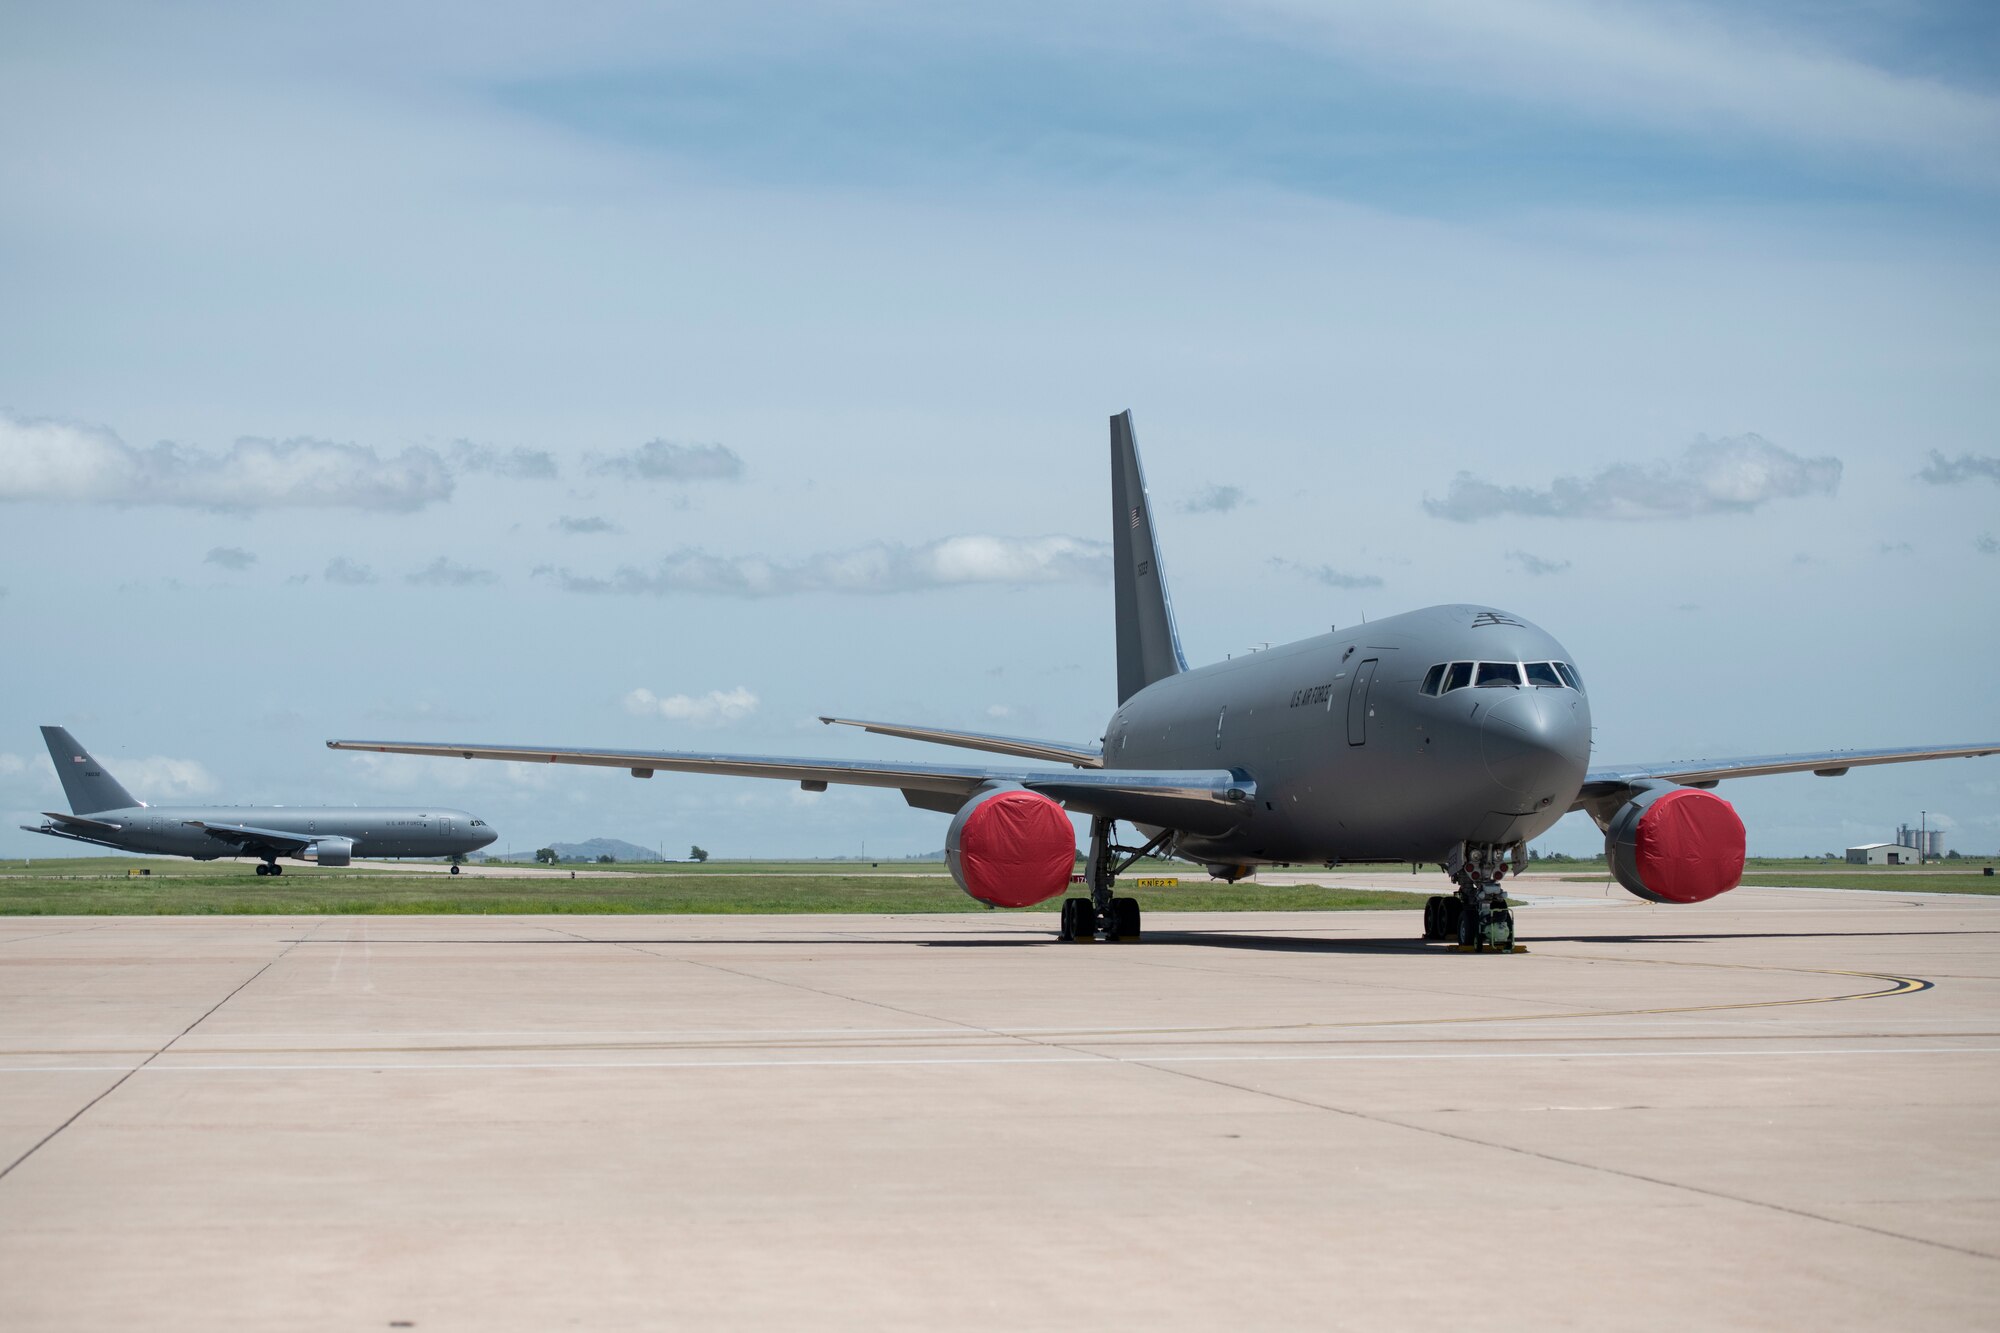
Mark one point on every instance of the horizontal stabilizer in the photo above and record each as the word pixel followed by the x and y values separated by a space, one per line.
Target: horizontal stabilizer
pixel 80 824
pixel 1083 756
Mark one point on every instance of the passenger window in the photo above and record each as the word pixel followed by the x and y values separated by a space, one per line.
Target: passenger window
pixel 1543 674
pixel 1499 673
pixel 1460 677
pixel 1434 678
pixel 1569 674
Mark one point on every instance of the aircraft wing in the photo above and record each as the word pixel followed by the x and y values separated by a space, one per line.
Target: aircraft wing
pixel 1083 756
pixel 259 840
pixel 1602 782
pixel 1199 800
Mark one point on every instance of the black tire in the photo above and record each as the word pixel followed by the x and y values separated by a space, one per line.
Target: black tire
pixel 263 869
pixel 454 870
pixel 277 869
pixel 1076 922
pixel 1464 924
pixel 1433 918
pixel 1124 923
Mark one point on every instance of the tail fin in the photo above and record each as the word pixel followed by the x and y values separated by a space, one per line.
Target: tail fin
pixel 1149 646
pixel 84 780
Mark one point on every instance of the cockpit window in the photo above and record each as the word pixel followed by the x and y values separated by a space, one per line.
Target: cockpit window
pixel 479 823
pixel 1448 676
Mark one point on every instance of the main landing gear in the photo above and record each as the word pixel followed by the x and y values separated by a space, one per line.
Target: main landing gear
pixel 1101 916
pixel 270 866
pixel 1475 918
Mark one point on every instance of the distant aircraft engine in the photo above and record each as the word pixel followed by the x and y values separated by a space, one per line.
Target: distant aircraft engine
pixel 1011 847
pixel 332 851
pixel 1674 844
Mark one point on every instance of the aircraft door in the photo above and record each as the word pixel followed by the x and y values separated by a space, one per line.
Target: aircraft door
pixel 1358 706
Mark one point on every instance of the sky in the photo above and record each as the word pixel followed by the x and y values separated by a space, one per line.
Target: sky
pixel 664 376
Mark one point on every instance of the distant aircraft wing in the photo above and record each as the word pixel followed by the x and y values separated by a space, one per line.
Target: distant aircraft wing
pixel 1602 782
pixel 1083 756
pixel 1198 800
pixel 259 840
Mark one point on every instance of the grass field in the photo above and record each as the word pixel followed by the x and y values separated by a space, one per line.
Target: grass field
pixel 103 886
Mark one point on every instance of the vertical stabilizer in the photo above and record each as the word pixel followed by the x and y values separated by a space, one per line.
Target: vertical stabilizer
pixel 1149 647
pixel 89 788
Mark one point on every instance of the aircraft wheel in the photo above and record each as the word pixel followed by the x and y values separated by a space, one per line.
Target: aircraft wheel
pixel 277 869
pixel 263 869
pixel 1434 917
pixel 1078 921
pixel 454 870
pixel 1124 922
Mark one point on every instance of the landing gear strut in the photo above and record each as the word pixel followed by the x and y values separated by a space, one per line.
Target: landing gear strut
pixel 1476 917
pixel 1101 915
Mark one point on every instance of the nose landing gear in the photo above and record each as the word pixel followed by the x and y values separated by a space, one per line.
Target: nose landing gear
pixel 1476 918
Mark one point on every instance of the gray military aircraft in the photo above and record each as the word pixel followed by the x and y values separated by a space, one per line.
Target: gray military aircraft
pixel 104 813
pixel 1451 735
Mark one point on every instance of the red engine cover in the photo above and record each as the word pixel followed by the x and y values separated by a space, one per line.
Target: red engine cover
pixel 1677 845
pixel 1011 848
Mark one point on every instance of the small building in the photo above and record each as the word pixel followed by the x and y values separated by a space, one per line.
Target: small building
pixel 1883 854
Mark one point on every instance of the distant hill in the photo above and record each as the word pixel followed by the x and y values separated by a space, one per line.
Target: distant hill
pixel 617 848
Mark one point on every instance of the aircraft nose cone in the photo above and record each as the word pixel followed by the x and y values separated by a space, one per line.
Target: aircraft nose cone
pixel 1536 742
pixel 487 837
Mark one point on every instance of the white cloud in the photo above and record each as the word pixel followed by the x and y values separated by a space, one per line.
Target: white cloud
pixel 517 463
pixel 342 570
pixel 1733 475
pixel 714 709
pixel 583 526
pixel 61 461
pixel 1215 499
pixel 662 460
pixel 1942 471
pixel 1327 575
pixel 1535 565
pixel 229 557
pixel 159 780
pixel 446 573
pixel 880 567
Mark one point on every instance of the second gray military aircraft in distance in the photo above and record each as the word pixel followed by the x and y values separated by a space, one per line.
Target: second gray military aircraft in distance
pixel 1451 735
pixel 104 813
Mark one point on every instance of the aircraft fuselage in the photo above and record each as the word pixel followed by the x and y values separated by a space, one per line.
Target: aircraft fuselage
pixel 382 831
pixel 1352 759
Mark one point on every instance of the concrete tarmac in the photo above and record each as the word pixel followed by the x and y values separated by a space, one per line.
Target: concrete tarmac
pixel 1775 1111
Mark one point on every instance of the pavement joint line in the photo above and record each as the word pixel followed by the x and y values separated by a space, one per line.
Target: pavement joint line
pixel 1069 1056
pixel 1641 1176
pixel 812 990
pixel 164 1048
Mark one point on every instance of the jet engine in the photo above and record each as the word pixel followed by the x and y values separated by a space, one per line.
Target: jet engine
pixel 1011 847
pixel 332 851
pixel 1672 844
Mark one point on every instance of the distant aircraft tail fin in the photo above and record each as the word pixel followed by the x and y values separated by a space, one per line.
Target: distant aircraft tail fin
pixel 1149 646
pixel 84 780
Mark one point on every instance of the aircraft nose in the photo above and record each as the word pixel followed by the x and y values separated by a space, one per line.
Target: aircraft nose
pixel 487 837
pixel 1537 741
